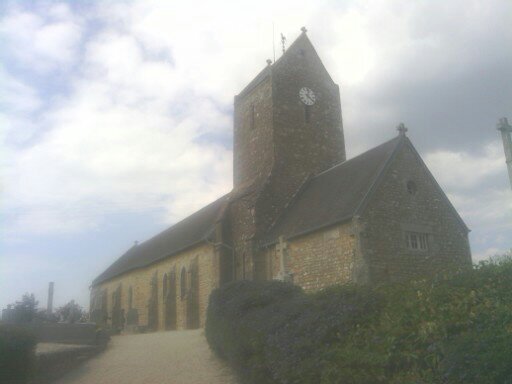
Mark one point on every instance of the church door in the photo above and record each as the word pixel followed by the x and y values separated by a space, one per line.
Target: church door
pixel 193 297
pixel 170 301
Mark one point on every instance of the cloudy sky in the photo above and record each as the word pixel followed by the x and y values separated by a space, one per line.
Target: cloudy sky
pixel 116 117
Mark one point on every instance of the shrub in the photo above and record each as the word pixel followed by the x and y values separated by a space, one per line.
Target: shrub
pixel 17 350
pixel 453 328
pixel 294 351
pixel 239 317
pixel 268 331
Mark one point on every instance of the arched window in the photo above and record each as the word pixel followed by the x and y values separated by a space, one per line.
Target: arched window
pixel 307 114
pixel 164 287
pixel 183 283
pixel 130 297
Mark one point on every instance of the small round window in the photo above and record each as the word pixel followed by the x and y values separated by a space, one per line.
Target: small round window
pixel 411 187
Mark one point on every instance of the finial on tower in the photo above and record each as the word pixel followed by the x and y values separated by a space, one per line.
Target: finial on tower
pixel 303 29
pixel 402 129
pixel 503 125
pixel 269 62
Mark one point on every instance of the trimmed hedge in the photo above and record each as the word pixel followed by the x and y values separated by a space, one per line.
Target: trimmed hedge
pixel 17 354
pixel 454 328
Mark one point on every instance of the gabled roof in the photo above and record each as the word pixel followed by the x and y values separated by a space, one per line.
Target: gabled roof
pixel 189 232
pixel 334 195
pixel 301 41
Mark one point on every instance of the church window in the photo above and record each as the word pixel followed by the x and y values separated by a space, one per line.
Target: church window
pixel 243 266
pixel 411 187
pixel 416 241
pixel 164 287
pixel 307 113
pixel 183 283
pixel 130 297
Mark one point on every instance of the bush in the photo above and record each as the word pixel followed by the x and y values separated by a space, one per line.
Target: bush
pixel 268 331
pixel 322 320
pixel 240 315
pixel 17 351
pixel 454 328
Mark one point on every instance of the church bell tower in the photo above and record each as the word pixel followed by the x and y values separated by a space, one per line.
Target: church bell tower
pixel 287 127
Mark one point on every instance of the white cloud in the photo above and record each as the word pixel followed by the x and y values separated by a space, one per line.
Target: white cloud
pixel 125 139
pixel 154 77
pixel 42 42
pixel 476 184
pixel 17 96
pixel 459 169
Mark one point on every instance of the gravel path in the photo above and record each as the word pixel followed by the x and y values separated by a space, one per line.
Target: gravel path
pixel 176 357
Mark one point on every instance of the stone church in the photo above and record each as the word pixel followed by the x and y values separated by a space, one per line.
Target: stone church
pixel 299 210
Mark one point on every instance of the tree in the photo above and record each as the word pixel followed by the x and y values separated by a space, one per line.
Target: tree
pixel 25 311
pixel 71 313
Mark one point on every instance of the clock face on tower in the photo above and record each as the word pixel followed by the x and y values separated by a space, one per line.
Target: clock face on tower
pixel 307 96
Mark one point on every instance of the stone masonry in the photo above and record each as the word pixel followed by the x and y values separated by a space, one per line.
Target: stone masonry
pixel 139 281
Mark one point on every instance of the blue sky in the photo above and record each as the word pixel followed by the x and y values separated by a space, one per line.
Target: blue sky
pixel 116 117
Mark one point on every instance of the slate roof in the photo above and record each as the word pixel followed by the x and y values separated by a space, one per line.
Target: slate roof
pixel 334 195
pixel 189 232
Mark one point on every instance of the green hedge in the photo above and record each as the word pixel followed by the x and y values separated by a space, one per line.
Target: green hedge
pixel 455 328
pixel 17 349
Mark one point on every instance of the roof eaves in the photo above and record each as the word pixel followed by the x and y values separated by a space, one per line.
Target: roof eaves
pixel 310 230
pixel 182 249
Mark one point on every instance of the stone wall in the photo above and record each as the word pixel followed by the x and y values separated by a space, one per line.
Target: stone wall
pixel 396 208
pixel 140 282
pixel 303 145
pixel 319 259
pixel 253 150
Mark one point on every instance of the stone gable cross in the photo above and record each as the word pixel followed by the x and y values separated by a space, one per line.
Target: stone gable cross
pixel 402 129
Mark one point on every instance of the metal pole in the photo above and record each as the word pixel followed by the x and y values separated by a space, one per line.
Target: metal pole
pixel 506 135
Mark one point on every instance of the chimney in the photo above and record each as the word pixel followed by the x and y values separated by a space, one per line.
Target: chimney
pixel 49 307
pixel 506 135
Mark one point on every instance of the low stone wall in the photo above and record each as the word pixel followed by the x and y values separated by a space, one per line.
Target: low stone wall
pixel 77 333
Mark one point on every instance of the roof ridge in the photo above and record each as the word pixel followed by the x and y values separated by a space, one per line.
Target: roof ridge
pixel 173 226
pixel 400 142
pixel 355 157
pixel 184 234
pixel 292 221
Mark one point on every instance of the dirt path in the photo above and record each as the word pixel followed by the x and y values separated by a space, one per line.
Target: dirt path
pixel 176 357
